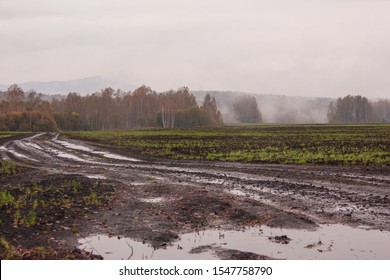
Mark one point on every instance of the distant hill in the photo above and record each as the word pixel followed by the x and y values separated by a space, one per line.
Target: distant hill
pixel 82 86
pixel 274 108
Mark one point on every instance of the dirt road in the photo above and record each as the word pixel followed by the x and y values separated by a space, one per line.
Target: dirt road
pixel 158 200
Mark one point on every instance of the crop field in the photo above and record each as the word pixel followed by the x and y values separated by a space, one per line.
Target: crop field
pixel 286 144
pixel 159 190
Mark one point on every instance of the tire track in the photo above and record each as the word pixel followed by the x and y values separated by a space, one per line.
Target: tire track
pixel 326 194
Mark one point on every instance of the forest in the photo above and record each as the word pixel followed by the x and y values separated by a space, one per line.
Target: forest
pixel 144 107
pixel 358 109
pixel 107 109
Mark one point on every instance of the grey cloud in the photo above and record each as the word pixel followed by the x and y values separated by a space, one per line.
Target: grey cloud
pixel 327 48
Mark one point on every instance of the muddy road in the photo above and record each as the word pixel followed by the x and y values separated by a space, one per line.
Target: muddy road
pixel 157 201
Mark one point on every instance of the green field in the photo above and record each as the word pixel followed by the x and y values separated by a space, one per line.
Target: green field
pixel 287 144
pixel 9 134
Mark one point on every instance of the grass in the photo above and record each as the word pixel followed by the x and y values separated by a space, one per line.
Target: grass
pixel 151 178
pixel 287 144
pixel 10 134
pixel 11 252
pixel 24 206
pixel 8 168
pixel 21 203
pixel 31 212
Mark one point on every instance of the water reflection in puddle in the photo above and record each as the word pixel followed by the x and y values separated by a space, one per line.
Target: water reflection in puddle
pixel 328 242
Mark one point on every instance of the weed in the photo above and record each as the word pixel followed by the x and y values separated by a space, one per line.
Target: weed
pixel 93 199
pixel 30 219
pixel 35 204
pixel 6 199
pixel 151 178
pixel 65 203
pixel 74 228
pixel 7 251
pixel 8 168
pixel 17 217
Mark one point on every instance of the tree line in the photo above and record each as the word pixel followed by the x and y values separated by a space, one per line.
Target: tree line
pixel 358 109
pixel 143 107
pixel 348 109
pixel 107 109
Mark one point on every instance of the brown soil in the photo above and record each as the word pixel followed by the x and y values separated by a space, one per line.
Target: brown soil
pixel 155 201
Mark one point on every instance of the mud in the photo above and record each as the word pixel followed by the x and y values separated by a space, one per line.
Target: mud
pixel 157 201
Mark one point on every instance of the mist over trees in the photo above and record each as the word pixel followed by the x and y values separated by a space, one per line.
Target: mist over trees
pixel 210 107
pixel 382 110
pixel 273 108
pixel 303 110
pixel 144 107
pixel 358 109
pixel 107 109
pixel 246 109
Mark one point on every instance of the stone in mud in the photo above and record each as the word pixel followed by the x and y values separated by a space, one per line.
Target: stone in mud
pixel 282 239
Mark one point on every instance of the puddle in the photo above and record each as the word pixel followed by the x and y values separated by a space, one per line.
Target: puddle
pixel 62 154
pixel 138 183
pixel 15 153
pixel 114 156
pixel 101 177
pixel 153 200
pixel 251 195
pixel 73 146
pixel 328 242
pixel 36 135
pixel 66 155
pixel 33 145
pixel 214 181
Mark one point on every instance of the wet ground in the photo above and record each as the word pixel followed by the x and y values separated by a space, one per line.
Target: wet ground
pixel 243 211
pixel 327 242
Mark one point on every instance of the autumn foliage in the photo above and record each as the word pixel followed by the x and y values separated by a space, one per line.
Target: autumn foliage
pixel 107 109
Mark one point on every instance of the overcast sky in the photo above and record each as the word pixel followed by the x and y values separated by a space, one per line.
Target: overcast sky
pixel 293 47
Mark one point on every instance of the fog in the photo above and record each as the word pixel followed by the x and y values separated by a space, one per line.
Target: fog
pixel 274 108
pixel 285 109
